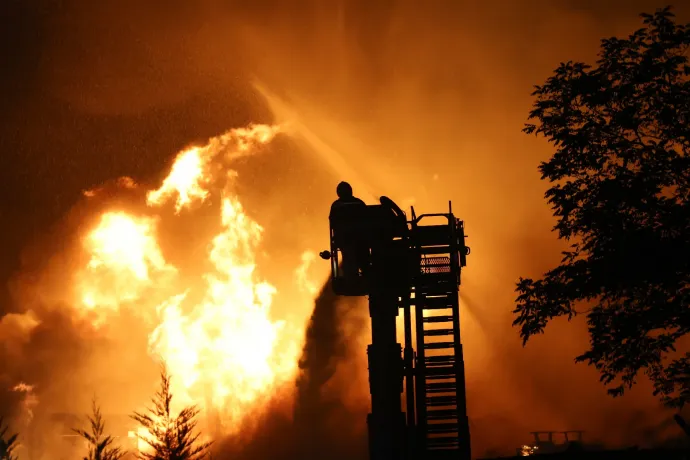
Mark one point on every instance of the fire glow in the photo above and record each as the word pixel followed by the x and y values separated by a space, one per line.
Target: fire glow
pixel 214 332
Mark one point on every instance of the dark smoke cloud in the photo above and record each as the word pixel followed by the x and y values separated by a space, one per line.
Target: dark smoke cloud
pixel 321 412
pixel 322 423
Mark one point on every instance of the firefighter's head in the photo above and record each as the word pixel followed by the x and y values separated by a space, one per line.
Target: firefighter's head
pixel 344 190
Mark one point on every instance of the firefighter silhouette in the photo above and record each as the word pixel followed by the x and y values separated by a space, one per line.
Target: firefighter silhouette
pixel 347 218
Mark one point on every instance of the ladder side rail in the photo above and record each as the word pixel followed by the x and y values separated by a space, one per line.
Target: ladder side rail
pixel 454 249
pixel 334 253
pixel 461 395
pixel 408 356
pixel 465 250
pixel 420 376
pixel 420 365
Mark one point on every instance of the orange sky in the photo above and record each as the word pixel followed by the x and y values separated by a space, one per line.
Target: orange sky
pixel 420 104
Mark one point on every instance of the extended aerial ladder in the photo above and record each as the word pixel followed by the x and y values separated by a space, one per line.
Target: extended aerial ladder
pixel 414 266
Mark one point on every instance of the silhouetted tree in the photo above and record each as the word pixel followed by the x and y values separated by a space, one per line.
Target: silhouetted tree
pixel 620 189
pixel 8 442
pixel 170 437
pixel 100 446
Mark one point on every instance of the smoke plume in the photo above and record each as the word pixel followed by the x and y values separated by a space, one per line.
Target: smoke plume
pixel 322 420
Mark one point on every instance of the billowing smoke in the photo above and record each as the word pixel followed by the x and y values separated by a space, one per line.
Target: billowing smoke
pixel 322 419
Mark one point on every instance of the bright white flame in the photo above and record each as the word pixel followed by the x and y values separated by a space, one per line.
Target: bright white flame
pixel 124 254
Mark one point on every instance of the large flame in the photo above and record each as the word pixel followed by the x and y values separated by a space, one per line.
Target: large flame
pixel 225 349
pixel 215 333
pixel 191 173
pixel 124 254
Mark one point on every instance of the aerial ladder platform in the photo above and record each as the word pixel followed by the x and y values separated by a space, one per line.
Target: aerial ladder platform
pixel 410 265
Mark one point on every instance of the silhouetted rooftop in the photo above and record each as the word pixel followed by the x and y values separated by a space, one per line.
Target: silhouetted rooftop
pixel 625 454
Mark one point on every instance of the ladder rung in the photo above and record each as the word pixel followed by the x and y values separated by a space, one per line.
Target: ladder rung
pixel 443 436
pixel 440 372
pixel 439 360
pixel 442 428
pixel 441 401
pixel 447 417
pixel 442 439
pixel 450 445
pixel 443 288
pixel 444 414
pixel 435 303
pixel 442 452
pixel 446 443
pixel 440 390
pixel 429 250
pixel 441 387
pixel 437 332
pixel 438 319
pixel 438 364
pixel 438 345
pixel 445 298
